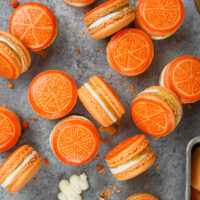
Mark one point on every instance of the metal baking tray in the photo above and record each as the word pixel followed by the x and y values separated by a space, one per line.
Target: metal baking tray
pixel 192 145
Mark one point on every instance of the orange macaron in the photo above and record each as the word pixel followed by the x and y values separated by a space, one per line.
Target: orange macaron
pixel 75 140
pixel 19 168
pixel 101 101
pixel 142 196
pixel 108 18
pixel 130 158
pixel 15 58
pixel 130 52
pixel 34 24
pixel 79 3
pixel 10 129
pixel 156 111
pixel 52 94
pixel 181 75
pixel 159 19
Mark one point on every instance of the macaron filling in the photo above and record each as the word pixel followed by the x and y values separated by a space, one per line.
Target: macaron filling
pixel 133 161
pixel 168 98
pixel 108 17
pixel 159 37
pixel 9 179
pixel 101 100
pixel 15 50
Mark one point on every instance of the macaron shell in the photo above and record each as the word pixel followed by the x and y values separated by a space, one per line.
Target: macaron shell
pixel 142 196
pixel 137 169
pixel 19 46
pixel 126 150
pixel 79 3
pixel 113 25
pixel 25 174
pixel 9 57
pixel 13 161
pixel 93 107
pixel 109 94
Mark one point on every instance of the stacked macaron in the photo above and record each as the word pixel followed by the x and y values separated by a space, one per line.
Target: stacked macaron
pixel 156 111
pixel 130 158
pixel 101 101
pixel 14 56
pixel 19 168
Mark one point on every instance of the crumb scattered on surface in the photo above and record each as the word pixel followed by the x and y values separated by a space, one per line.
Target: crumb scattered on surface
pixel 177 40
pixel 98 50
pixel 73 31
pixel 34 179
pixel 10 85
pixel 158 167
pixel 114 187
pixel 24 125
pixel 77 58
pixel 177 45
pixel 103 140
pixel 182 37
pixel 111 130
pixel 42 53
pixel 189 106
pixel 118 122
pixel 108 192
pixel 82 32
pixel 101 129
pixel 133 89
pixel 4 105
pixel 158 153
pixel 97 157
pixel 78 51
pixel 102 193
pixel 46 162
pixel 156 138
pixel 35 119
pixel 84 12
pixel 119 190
pixel 100 169
pixel 14 3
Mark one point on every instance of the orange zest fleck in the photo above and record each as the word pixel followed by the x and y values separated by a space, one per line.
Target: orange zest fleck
pixel 111 130
pixel 78 51
pixel 101 129
pixel 133 89
pixel 46 162
pixel 108 192
pixel 24 125
pixel 82 32
pixel 34 179
pixel 35 119
pixel 14 3
pixel 189 106
pixel 42 53
pixel 158 167
pixel 10 85
pixel 97 157
pixel 103 140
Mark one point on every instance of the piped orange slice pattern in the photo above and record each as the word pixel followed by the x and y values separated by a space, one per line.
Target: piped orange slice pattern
pixel 34 24
pixel 161 16
pixel 10 130
pixel 52 94
pixel 151 117
pixel 184 78
pixel 130 51
pixel 75 142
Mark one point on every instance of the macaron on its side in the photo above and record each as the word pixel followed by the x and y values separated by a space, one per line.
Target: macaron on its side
pixel 130 158
pixel 19 48
pixel 109 18
pixel 75 130
pixel 142 196
pixel 79 3
pixel 10 129
pixel 101 101
pixel 157 29
pixel 25 162
pixel 130 52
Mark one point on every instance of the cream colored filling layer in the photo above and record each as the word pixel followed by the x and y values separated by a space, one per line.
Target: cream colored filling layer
pixel 95 95
pixel 9 179
pixel 162 77
pixel 13 47
pixel 125 166
pixel 77 4
pixel 159 37
pixel 105 18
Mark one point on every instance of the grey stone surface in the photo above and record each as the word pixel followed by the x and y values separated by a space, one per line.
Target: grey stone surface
pixel 166 183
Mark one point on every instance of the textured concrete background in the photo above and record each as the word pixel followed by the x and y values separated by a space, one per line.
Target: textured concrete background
pixel 166 183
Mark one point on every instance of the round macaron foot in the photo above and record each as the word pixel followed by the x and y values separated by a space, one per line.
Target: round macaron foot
pixel 130 52
pixel 52 94
pixel 161 19
pixel 101 101
pixel 130 158
pixel 10 129
pixel 19 168
pixel 36 36
pixel 142 196
pixel 156 111
pixel 75 140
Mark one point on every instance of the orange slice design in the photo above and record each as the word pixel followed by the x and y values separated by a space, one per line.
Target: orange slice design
pixel 131 51
pixel 76 143
pixel 150 118
pixel 52 93
pixel 34 25
pixel 7 131
pixel 187 78
pixel 162 14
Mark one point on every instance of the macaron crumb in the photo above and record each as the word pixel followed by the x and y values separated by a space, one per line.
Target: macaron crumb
pixel 158 167
pixel 82 32
pixel 97 50
pixel 43 53
pixel 108 192
pixel 100 169
pixel 111 75
pixel 10 85
pixel 103 140
pixel 156 138
pixel 189 106
pixel 118 122
pixel 84 12
pixel 158 153
pixel 182 37
pixel 101 129
pixel 46 162
pixel 97 157
pixel 24 125
pixel 34 179
pixel 111 130
pixel 14 3
pixel 133 89
pixel 73 31
pixel 4 105
pixel 35 119
pixel 78 51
